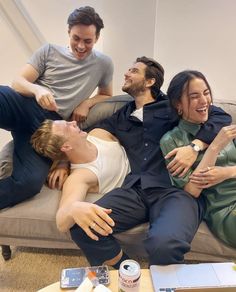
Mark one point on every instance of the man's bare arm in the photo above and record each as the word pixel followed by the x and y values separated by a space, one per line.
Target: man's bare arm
pixel 81 111
pixel 24 84
pixel 73 210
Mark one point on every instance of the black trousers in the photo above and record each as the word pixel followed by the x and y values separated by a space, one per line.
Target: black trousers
pixel 22 116
pixel 173 214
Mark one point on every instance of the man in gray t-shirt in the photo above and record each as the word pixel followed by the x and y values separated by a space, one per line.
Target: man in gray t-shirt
pixel 56 83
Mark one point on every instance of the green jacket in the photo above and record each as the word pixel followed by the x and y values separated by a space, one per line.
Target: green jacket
pixel 221 198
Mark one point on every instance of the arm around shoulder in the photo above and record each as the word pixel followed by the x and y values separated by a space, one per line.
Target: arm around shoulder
pixel 218 118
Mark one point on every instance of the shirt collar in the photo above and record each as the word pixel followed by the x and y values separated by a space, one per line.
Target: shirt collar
pixel 189 127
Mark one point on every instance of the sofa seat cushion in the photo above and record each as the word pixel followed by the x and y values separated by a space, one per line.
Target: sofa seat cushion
pixel 33 218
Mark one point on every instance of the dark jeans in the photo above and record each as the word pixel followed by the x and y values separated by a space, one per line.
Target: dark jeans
pixel 173 214
pixel 22 116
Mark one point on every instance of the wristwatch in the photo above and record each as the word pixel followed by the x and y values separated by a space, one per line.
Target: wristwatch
pixel 195 147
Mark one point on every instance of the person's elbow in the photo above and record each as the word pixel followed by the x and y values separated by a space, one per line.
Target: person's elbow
pixel 15 84
pixel 61 226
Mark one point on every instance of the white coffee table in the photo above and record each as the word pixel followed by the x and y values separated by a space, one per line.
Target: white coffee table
pixel 145 284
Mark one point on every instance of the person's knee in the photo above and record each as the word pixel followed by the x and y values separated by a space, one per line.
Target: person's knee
pixel 164 250
pixel 96 252
pixel 77 234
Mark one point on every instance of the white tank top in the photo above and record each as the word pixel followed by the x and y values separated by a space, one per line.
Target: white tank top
pixel 111 165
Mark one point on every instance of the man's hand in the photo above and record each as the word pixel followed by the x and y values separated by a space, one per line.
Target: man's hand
pixel 57 177
pixel 81 112
pixel 91 217
pixel 45 99
pixel 184 158
pixel 210 176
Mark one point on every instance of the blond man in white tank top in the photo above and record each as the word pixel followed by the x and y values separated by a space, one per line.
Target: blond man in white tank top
pixel 98 164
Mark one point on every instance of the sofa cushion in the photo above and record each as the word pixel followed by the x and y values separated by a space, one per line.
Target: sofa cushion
pixel 35 218
pixel 227 105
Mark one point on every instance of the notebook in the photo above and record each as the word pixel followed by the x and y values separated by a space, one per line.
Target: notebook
pixel 209 277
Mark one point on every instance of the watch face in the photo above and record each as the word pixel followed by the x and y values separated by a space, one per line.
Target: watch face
pixel 196 148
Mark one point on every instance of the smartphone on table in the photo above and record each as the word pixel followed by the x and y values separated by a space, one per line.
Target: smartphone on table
pixel 73 277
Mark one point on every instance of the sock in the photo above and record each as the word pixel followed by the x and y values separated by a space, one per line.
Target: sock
pixel 117 265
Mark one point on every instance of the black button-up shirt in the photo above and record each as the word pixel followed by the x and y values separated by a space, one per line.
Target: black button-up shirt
pixel 141 140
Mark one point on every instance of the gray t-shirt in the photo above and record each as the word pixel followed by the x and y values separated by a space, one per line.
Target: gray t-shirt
pixel 70 80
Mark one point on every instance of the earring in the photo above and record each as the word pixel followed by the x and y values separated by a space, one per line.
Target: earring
pixel 180 112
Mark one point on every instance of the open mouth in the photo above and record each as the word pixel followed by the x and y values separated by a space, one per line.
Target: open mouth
pixel 202 110
pixel 127 81
pixel 80 53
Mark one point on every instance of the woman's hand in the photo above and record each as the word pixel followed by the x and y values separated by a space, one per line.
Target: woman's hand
pixel 226 135
pixel 210 176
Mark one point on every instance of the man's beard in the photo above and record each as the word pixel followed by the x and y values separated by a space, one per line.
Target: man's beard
pixel 134 89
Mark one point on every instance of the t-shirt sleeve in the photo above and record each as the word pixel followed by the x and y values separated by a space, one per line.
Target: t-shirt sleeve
pixel 167 144
pixel 39 59
pixel 108 72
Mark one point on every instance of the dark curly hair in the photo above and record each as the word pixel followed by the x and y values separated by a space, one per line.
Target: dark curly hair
pixel 153 70
pixel 85 15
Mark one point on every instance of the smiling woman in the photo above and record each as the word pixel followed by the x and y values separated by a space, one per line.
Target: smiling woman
pixel 195 101
pixel 214 173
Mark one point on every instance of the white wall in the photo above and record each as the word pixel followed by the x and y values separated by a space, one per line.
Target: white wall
pixel 12 57
pixel 199 35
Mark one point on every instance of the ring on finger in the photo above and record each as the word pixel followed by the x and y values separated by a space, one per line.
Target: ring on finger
pixel 93 225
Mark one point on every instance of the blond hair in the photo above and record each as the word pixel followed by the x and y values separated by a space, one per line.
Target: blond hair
pixel 46 143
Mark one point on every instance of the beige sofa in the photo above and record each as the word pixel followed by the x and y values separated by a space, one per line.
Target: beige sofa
pixel 32 223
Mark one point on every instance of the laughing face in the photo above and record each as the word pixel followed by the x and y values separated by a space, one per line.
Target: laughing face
pixel 135 82
pixel 69 130
pixel 195 101
pixel 82 40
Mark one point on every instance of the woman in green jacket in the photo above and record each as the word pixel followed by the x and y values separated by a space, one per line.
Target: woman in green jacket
pixel 214 172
